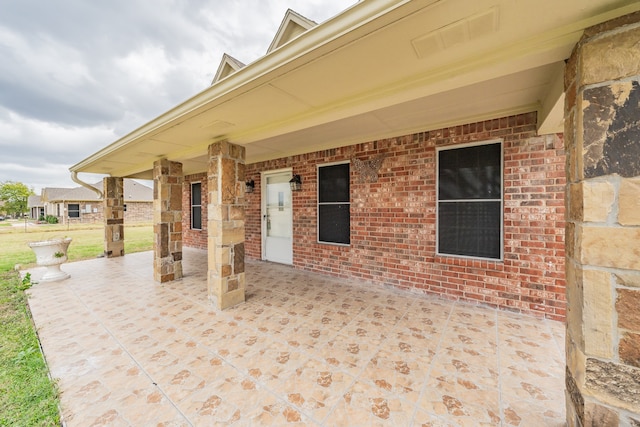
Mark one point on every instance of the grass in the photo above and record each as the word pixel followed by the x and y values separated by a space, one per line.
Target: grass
pixel 88 241
pixel 27 395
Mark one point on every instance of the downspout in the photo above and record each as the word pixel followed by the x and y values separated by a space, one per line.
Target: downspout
pixel 74 177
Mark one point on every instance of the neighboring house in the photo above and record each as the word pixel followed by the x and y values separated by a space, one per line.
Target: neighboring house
pixel 481 150
pixel 35 206
pixel 80 204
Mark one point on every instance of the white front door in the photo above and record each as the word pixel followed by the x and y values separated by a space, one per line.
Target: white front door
pixel 277 218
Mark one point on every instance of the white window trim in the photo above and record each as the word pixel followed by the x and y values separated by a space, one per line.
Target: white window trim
pixel 318 166
pixel 467 145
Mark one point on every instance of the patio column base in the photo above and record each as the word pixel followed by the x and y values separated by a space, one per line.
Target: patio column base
pixel 225 220
pixel 228 298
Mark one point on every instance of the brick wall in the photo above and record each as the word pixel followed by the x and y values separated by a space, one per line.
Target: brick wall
pixel 190 237
pixel 93 212
pixel 393 227
pixel 138 212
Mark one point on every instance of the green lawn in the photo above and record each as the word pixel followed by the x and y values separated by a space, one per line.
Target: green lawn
pixel 88 242
pixel 27 395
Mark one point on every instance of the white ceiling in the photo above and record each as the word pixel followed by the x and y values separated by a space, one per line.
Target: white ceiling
pixel 382 68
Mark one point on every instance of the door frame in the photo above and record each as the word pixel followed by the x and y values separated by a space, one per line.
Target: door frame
pixel 263 208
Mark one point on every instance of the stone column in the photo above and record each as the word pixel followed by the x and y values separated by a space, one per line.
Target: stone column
pixel 226 279
pixel 167 220
pixel 113 208
pixel 602 133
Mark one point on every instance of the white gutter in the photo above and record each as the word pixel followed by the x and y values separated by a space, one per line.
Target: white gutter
pixel 74 177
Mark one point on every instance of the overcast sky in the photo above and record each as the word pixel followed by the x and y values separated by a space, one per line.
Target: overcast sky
pixel 77 75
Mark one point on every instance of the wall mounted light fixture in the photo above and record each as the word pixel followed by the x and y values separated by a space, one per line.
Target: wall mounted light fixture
pixel 296 183
pixel 250 185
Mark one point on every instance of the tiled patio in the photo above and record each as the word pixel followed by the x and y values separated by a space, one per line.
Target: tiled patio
pixel 304 350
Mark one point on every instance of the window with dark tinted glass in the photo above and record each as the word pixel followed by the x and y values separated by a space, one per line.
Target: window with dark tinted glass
pixel 334 223
pixel 470 201
pixel 73 210
pixel 196 206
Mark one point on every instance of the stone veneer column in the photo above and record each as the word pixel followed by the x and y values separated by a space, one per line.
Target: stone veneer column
pixel 167 220
pixel 602 134
pixel 113 208
pixel 226 279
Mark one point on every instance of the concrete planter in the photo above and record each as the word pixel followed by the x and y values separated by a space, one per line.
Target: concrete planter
pixel 50 254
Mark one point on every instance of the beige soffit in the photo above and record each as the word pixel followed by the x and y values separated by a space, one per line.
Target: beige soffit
pixel 293 24
pixel 252 75
pixel 381 68
pixel 228 65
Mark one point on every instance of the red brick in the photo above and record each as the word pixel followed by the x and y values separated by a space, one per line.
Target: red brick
pixel 393 220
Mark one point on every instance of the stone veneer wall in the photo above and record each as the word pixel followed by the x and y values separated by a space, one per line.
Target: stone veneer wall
pixel 393 226
pixel 167 220
pixel 190 237
pixel 602 123
pixel 113 207
pixel 225 228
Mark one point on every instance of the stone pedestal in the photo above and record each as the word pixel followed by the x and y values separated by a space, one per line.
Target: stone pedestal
pixel 51 254
pixel 167 220
pixel 113 202
pixel 226 277
pixel 602 133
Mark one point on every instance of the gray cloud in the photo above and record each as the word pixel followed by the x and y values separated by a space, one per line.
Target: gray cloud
pixel 77 75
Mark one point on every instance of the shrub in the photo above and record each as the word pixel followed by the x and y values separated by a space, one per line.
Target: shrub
pixel 51 219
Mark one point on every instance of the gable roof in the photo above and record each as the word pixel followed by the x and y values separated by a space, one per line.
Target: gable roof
pixel 34 201
pixel 228 65
pixel 380 69
pixel 49 194
pixel 133 192
pixel 293 24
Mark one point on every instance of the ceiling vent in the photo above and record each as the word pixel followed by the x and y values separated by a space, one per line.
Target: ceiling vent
pixel 457 33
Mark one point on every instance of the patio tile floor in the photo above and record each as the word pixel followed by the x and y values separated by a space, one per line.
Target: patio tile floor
pixel 305 349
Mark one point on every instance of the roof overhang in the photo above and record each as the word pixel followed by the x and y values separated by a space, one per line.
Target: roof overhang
pixel 381 68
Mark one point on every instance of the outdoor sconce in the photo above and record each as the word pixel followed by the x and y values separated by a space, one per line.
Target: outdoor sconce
pixel 296 183
pixel 249 186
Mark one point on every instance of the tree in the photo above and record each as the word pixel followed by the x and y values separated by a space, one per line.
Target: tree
pixel 14 195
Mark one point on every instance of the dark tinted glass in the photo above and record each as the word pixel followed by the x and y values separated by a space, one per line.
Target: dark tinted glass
pixel 196 193
pixel 470 173
pixel 334 224
pixel 74 210
pixel 196 217
pixel 469 228
pixel 333 183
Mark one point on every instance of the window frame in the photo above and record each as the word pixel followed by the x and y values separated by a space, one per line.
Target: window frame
pixel 318 203
pixel 76 211
pixel 501 200
pixel 192 206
